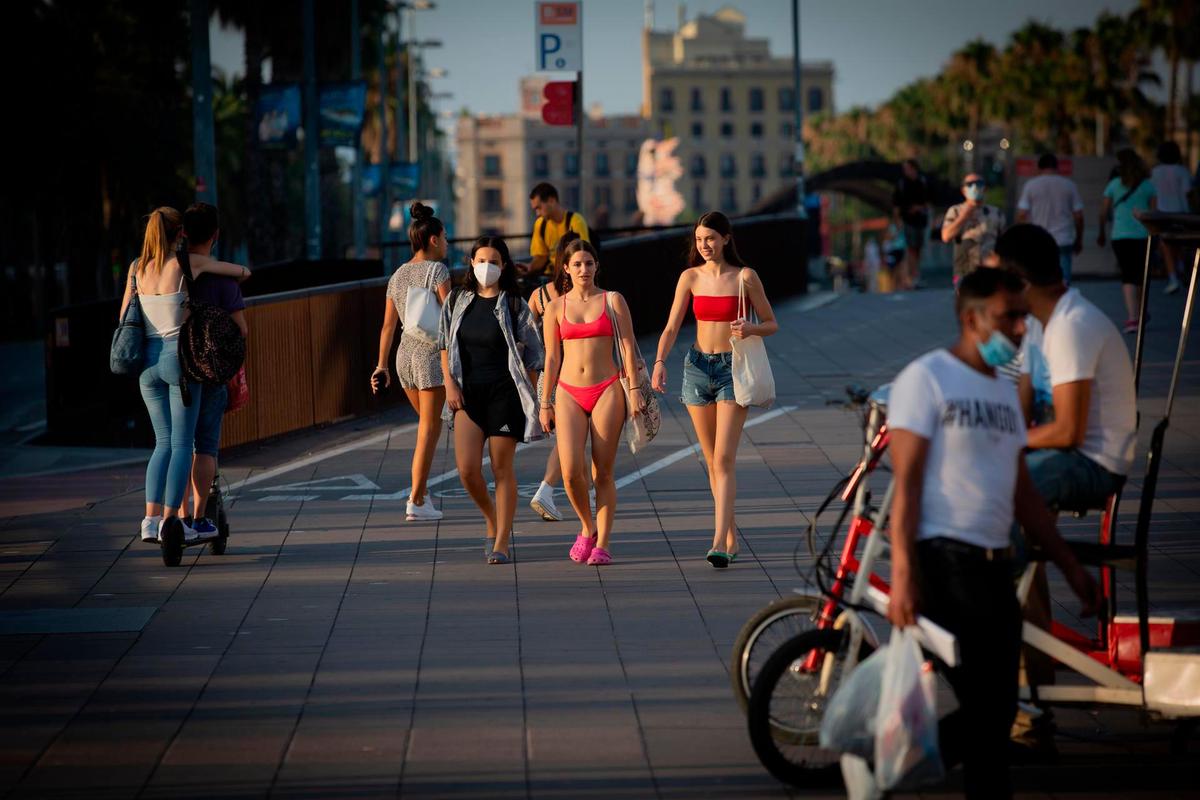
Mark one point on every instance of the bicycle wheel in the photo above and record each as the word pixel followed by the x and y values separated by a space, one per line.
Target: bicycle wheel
pixel 788 702
pixel 763 634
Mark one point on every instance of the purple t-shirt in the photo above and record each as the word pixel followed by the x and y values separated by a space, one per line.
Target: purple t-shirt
pixel 220 291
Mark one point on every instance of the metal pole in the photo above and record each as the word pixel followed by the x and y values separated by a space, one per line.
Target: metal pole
pixel 405 145
pixel 799 111
pixel 385 177
pixel 312 136
pixel 358 202
pixel 203 147
pixel 579 133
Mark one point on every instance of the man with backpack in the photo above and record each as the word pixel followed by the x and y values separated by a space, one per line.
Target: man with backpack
pixel 551 223
pixel 200 224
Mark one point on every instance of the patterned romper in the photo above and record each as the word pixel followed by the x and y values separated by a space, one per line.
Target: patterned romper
pixel 418 363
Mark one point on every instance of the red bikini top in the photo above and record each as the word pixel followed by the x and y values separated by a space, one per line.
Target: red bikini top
pixel 715 308
pixel 601 326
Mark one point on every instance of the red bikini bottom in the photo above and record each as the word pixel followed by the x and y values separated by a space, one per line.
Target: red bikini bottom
pixel 588 396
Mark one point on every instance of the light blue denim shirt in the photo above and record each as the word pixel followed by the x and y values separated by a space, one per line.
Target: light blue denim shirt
pixel 525 351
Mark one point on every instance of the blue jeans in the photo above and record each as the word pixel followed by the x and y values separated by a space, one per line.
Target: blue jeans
pixel 1066 252
pixel 1067 480
pixel 208 425
pixel 174 424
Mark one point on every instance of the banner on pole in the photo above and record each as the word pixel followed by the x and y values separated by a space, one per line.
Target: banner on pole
pixel 342 106
pixel 277 116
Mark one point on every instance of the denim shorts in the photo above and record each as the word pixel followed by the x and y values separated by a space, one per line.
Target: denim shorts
pixel 208 425
pixel 707 378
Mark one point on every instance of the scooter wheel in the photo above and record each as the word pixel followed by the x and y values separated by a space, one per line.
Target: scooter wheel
pixel 218 545
pixel 171 542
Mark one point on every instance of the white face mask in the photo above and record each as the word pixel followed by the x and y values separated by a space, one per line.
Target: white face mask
pixel 487 274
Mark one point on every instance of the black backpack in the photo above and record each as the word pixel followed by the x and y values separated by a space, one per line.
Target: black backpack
pixel 211 346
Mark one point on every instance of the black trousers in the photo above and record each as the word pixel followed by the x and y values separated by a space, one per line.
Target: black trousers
pixel 973 598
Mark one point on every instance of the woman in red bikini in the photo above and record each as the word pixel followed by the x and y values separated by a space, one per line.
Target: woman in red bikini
pixel 711 284
pixel 580 340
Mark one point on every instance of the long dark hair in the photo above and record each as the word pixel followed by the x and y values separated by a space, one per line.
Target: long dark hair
pixel 424 226
pixel 576 245
pixel 1132 169
pixel 561 280
pixel 719 223
pixel 508 270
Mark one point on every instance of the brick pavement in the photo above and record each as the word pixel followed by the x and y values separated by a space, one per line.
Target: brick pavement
pixel 337 651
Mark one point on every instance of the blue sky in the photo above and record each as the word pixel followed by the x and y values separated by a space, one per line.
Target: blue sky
pixel 876 46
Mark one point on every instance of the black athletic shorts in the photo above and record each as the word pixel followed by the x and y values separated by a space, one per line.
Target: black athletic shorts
pixel 1131 259
pixel 495 408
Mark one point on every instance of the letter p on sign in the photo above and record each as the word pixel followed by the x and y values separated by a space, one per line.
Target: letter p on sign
pixel 559 43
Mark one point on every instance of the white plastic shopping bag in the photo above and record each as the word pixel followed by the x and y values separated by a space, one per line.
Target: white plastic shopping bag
pixel 848 724
pixel 422 314
pixel 753 381
pixel 906 728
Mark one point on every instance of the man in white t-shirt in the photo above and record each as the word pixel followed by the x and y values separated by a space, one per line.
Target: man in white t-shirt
pixel 956 443
pixel 1053 202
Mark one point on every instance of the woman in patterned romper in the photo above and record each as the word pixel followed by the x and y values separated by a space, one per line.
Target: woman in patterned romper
pixel 418 363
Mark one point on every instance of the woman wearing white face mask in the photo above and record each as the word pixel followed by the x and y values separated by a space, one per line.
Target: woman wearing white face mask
pixel 491 356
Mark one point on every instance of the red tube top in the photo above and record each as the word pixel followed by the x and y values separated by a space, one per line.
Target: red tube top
pixel 715 308
pixel 601 326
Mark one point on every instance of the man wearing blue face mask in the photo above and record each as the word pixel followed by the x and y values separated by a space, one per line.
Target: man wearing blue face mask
pixel 972 227
pixel 960 482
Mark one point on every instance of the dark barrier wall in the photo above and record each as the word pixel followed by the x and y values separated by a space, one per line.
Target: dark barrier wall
pixel 311 351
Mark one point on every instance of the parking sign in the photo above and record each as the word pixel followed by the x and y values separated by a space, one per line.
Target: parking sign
pixel 559 42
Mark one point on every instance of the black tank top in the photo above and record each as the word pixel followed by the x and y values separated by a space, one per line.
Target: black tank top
pixel 481 343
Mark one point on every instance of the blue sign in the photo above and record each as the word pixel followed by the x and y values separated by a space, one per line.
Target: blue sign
pixel 277 116
pixel 406 177
pixel 342 107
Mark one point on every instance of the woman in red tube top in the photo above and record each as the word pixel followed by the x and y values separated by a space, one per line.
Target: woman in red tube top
pixel 710 283
pixel 580 338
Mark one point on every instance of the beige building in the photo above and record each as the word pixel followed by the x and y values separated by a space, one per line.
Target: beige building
pixel 500 158
pixel 730 102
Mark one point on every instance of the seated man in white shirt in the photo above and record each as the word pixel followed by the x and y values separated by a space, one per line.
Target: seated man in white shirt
pixel 956 446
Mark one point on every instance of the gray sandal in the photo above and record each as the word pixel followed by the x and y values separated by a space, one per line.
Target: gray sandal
pixel 497 558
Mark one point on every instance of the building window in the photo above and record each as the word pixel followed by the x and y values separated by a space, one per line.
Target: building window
pixel 631 164
pixel 541 165
pixel 697 103
pixel 571 164
pixel 491 166
pixel 787 99
pixel 758 166
pixel 726 100
pixel 666 99
pixel 727 130
pixel 785 165
pixel 728 166
pixel 786 130
pixel 816 100
pixel 630 198
pixel 756 130
pixel 756 193
pixel 492 201
pixel 697 197
pixel 698 168
pixel 571 196
pixel 602 170
pixel 697 130
pixel 756 99
pixel 728 197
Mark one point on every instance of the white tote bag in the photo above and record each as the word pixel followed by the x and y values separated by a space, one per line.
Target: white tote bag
pixel 753 381
pixel 421 311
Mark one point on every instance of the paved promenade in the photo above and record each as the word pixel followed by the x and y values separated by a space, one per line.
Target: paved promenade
pixel 338 651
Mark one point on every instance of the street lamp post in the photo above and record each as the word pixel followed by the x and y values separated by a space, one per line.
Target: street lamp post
pixel 358 202
pixel 798 106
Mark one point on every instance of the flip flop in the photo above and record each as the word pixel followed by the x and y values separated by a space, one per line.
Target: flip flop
pixel 599 557
pixel 718 558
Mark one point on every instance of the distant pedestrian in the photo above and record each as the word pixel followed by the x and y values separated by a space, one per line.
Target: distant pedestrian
pixel 1052 201
pixel 910 209
pixel 491 356
pixel 418 362
pixel 201 223
pixel 1126 197
pixel 1171 183
pixel 712 282
pixel 972 226
pixel 593 405
pixel 157 277
pixel 551 222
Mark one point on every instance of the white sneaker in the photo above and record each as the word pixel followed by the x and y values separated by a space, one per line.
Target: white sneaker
pixel 543 503
pixel 150 526
pixel 1172 285
pixel 422 513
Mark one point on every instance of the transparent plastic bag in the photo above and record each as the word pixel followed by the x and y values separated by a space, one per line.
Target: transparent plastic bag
pixel 848 725
pixel 906 727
